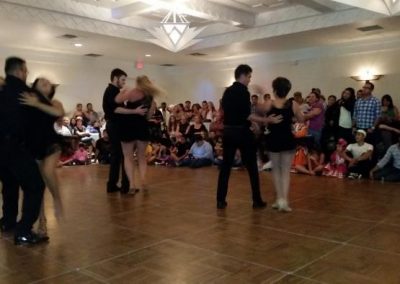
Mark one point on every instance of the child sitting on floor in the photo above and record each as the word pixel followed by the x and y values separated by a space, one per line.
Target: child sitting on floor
pixel 337 165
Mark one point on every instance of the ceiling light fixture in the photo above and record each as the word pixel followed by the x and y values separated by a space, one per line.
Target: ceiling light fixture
pixel 148 55
pixel 78 44
pixel 174 33
pixel 367 75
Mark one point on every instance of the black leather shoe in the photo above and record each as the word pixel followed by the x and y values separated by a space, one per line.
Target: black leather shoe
pixel 5 227
pixel 221 204
pixel 124 190
pixel 259 205
pixel 29 239
pixel 113 189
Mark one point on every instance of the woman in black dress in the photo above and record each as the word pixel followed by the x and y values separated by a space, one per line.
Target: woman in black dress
pixel 44 141
pixel 280 142
pixel 133 130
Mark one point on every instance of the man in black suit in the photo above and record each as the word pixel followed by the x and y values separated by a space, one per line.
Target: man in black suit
pixel 17 165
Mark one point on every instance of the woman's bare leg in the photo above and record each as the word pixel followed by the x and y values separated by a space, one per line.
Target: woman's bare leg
pixel 129 162
pixel 141 156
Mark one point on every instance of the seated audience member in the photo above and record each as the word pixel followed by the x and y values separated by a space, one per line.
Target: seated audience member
pixel 299 162
pixel 103 149
pixel 389 133
pixel 66 123
pixel 200 154
pixel 60 128
pixel 90 115
pixel 337 163
pixel 218 150
pixel 196 128
pixel 151 154
pixel 211 112
pixel 173 126
pixel 79 157
pixel 80 130
pixel 196 111
pixel 388 168
pixel 183 126
pixel 237 161
pixel 156 125
pixel 72 124
pixel 179 151
pixel 316 161
pixel 359 156
pixel 217 125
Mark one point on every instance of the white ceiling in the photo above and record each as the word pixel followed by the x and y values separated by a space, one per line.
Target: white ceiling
pixel 117 29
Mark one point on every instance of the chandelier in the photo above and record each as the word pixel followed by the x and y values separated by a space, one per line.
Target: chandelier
pixel 174 33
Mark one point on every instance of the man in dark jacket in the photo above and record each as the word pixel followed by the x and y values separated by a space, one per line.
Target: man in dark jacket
pixel 18 167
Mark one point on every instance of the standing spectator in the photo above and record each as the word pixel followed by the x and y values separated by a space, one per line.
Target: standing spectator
pixel 345 114
pixel 90 115
pixel 360 156
pixel 298 98
pixel 388 168
pixel 315 116
pixel 78 111
pixel 254 103
pixel 390 112
pixel 367 110
pixel 165 112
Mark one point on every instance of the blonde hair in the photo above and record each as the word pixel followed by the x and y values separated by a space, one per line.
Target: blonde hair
pixel 144 84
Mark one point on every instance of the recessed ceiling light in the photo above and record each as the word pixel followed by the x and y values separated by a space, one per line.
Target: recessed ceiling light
pixel 148 55
pixel 78 44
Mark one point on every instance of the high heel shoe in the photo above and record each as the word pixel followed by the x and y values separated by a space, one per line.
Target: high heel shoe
pixel 132 191
pixel 283 206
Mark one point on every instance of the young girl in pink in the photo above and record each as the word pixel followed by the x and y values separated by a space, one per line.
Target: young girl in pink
pixel 337 165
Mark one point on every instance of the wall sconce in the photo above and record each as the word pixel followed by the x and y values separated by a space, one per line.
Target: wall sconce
pixel 366 76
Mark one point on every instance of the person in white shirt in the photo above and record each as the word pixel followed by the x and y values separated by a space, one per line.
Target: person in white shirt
pixel 200 154
pixel 359 156
pixel 60 128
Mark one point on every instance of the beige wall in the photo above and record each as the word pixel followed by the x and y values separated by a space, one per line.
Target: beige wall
pixel 329 68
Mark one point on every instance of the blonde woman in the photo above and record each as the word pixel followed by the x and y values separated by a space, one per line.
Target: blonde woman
pixel 133 130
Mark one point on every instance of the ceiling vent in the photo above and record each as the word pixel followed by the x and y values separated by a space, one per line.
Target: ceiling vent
pixel 167 65
pixel 197 54
pixel 370 28
pixel 68 36
pixel 94 55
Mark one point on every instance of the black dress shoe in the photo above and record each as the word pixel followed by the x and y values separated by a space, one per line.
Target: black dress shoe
pixel 259 204
pixel 30 239
pixel 221 204
pixel 113 189
pixel 124 190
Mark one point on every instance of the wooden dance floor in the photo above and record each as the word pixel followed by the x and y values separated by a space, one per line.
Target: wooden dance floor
pixel 340 231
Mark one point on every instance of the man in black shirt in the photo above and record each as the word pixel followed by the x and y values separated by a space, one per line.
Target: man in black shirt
pixel 111 109
pixel 17 165
pixel 118 80
pixel 237 135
